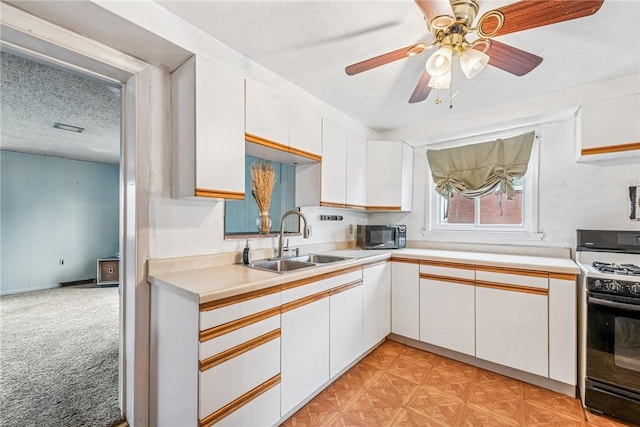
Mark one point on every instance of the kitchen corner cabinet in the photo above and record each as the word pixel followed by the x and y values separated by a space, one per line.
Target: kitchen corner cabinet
pixel 305 130
pixel 512 326
pixel 447 306
pixel 389 176
pixel 603 141
pixel 356 179
pixel 376 303
pixel 333 176
pixel 207 130
pixel 267 113
pixel 405 298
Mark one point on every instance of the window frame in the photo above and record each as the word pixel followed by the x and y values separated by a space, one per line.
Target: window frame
pixel 528 230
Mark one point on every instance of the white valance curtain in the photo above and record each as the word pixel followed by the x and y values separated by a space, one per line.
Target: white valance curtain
pixel 477 170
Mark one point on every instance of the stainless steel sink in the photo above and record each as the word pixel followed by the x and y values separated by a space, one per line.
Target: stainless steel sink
pixel 320 259
pixel 284 265
pixel 281 265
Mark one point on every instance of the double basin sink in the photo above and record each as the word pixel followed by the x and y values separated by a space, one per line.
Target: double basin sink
pixel 285 265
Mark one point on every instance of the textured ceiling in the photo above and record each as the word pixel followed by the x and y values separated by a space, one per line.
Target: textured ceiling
pixel 310 42
pixel 34 96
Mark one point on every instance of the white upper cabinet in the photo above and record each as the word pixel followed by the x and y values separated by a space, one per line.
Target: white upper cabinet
pixel 610 129
pixel 305 132
pixel 267 113
pixel 333 180
pixel 207 130
pixel 356 196
pixel 389 176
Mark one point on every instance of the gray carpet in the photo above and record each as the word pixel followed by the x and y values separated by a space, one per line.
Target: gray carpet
pixel 59 358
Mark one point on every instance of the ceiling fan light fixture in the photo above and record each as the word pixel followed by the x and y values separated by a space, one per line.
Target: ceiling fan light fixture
pixel 472 61
pixel 439 63
pixel 441 82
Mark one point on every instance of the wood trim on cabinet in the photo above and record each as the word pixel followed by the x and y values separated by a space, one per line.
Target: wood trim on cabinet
pixel 374 263
pixel 406 260
pixel 238 403
pixel 292 305
pixel 236 351
pixel 323 276
pixel 610 149
pixel 508 270
pixel 212 305
pixel 234 325
pixel 281 147
pixel 563 276
pixel 219 194
pixel 384 208
pixel 345 287
pixel 448 279
pixel 356 207
pixel 514 288
pixel 448 264
pixel 332 205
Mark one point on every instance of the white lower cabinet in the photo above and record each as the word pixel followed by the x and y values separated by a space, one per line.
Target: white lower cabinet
pixel 345 330
pixel 562 328
pixel 512 329
pixel 305 352
pixel 447 315
pixel 405 298
pixel 376 301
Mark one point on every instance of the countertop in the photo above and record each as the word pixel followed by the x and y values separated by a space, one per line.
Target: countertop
pixel 212 283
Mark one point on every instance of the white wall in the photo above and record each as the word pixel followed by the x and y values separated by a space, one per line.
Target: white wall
pixel 55 209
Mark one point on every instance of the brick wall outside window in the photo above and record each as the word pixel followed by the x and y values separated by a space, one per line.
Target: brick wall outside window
pixel 461 210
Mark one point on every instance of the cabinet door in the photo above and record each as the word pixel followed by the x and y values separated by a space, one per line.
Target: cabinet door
pixel 267 113
pixel 405 293
pixel 447 315
pixel 305 352
pixel 208 130
pixel 356 195
pixel 562 328
pixel 511 329
pixel 389 175
pixel 345 329
pixel 376 303
pixel 333 184
pixel 305 130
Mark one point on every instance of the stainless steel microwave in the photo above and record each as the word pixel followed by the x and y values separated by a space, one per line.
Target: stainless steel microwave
pixel 381 236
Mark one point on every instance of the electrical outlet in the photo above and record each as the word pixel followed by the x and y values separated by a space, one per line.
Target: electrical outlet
pixel 61 262
pixel 350 229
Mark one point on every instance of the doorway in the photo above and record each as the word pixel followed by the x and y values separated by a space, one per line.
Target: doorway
pixel 61 181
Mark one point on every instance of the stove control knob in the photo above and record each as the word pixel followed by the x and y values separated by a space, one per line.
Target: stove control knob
pixel 597 284
pixel 614 286
pixel 635 289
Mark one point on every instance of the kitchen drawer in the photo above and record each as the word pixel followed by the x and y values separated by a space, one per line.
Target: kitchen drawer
pixel 263 410
pixel 238 371
pixel 230 312
pixel 319 286
pixel 526 278
pixel 458 271
pixel 229 335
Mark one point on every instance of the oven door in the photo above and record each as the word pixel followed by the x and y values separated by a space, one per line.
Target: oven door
pixel 613 355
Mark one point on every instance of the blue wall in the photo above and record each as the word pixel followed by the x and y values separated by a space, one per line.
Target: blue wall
pixel 53 209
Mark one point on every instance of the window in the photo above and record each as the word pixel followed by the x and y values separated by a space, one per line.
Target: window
pixel 492 213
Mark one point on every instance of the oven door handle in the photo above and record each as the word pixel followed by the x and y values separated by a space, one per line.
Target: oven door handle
pixel 614 304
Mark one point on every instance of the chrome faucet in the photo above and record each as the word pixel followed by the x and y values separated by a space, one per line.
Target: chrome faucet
pixel 305 230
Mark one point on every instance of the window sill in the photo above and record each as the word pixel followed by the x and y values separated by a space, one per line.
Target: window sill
pixel 500 237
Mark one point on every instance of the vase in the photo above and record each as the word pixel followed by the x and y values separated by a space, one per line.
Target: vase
pixel 263 222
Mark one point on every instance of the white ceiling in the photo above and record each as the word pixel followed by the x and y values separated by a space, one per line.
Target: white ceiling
pixel 36 95
pixel 310 42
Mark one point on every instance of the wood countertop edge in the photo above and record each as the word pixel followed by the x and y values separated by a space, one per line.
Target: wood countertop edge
pixel 276 279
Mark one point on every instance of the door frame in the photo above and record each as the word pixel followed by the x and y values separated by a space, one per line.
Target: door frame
pixel 24 32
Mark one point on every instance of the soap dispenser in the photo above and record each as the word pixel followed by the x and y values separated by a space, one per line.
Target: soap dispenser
pixel 246 254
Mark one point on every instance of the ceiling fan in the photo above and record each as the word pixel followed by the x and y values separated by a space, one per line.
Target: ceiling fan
pixel 451 23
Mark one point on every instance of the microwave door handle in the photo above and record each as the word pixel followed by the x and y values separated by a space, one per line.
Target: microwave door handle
pixel 614 304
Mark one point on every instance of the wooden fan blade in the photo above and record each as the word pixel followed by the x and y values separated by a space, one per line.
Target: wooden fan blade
pixel 432 8
pixel 511 59
pixel 421 92
pixel 527 14
pixel 383 59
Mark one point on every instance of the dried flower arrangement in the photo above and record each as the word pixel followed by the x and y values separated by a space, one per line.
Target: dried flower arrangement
pixel 263 178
